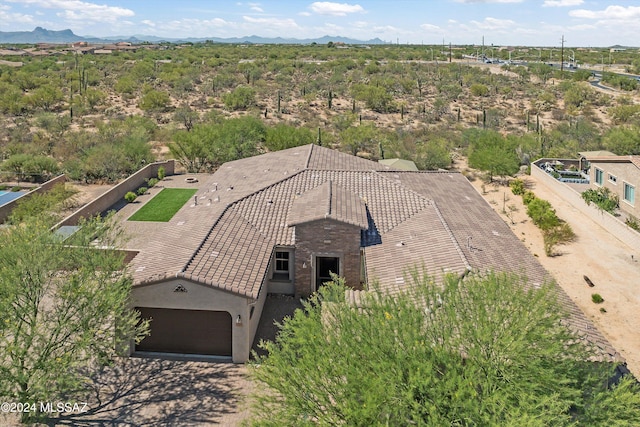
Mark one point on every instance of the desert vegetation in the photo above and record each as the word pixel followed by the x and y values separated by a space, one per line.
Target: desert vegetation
pixel 100 117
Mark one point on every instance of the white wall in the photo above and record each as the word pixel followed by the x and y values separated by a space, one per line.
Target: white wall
pixel 607 221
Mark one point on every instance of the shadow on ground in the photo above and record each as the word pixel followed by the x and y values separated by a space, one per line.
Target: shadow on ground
pixel 276 308
pixel 151 392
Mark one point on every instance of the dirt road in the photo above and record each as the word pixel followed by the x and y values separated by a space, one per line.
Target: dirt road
pixel 607 262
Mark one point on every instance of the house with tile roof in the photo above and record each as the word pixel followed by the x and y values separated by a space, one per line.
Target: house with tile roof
pixel 620 174
pixel 282 222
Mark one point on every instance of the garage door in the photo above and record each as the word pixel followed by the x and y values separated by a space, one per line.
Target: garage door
pixel 187 331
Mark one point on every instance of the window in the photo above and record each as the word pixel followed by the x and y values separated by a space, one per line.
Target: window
pixel 281 266
pixel 629 193
pixel 599 176
pixel 613 179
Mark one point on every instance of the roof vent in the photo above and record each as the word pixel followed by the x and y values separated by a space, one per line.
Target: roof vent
pixel 401 243
pixel 180 288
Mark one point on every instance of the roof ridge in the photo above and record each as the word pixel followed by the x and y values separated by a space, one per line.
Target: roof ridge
pixel 306 165
pixel 202 242
pixel 330 184
pixel 451 236
pixel 237 202
pixel 236 216
pixel 380 173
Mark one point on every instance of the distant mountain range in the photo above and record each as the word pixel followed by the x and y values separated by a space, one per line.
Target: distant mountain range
pixel 42 35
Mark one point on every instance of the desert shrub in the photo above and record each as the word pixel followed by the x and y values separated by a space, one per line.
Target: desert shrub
pixel 130 196
pixel 602 198
pixel 558 235
pixel 241 98
pixel 142 190
pixel 542 214
pixel 633 222
pixel 478 89
pixel 161 173
pixel 151 182
pixel 517 187
pixel 597 298
pixel 528 197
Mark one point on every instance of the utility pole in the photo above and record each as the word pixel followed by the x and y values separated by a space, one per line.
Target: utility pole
pixel 449 51
pixel 562 55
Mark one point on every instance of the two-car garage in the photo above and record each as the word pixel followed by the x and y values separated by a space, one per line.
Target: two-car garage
pixel 192 318
pixel 187 331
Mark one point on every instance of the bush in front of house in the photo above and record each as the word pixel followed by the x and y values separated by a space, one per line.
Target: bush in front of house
pixel 142 190
pixel 517 187
pixel 130 196
pixel 602 197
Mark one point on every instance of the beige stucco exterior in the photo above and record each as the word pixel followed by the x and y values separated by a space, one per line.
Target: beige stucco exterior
pixel 614 176
pixel 196 296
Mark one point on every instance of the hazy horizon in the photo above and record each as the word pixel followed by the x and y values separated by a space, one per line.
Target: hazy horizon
pixel 583 23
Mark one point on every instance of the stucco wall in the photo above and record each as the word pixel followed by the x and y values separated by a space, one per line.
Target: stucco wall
pixel 6 209
pixel 116 194
pixel 624 172
pixel 203 297
pixel 326 238
pixel 607 221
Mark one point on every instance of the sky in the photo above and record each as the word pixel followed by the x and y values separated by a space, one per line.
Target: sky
pixel 583 23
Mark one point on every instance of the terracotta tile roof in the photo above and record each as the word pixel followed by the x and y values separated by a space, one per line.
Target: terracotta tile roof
pixel 432 220
pixel 488 243
pixel 423 243
pixel 236 259
pixel 328 201
pixel 322 158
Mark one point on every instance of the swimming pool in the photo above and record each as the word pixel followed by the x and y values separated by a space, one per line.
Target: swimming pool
pixel 8 196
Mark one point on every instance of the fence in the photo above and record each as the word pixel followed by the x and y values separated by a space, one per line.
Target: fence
pixel 7 208
pixel 607 221
pixel 116 194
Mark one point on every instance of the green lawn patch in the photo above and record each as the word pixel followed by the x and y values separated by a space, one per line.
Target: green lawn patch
pixel 164 205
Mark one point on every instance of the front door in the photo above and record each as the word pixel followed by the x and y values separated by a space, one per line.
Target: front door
pixel 325 266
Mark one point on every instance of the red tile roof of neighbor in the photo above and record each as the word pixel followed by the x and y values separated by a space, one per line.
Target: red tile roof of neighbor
pixel 431 220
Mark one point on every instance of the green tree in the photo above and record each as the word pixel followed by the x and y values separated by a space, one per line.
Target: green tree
pixel 479 89
pixel 437 354
pixel 240 98
pixel 363 138
pixel 65 310
pixel 94 97
pixel 433 155
pixel 491 152
pixel 209 145
pixel 33 168
pixel 282 136
pixel 191 148
pixel 376 98
pixel 623 140
pixel 186 116
pixel 155 100
pixel 45 97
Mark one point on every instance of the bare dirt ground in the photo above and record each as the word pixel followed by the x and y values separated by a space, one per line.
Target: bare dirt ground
pixel 597 254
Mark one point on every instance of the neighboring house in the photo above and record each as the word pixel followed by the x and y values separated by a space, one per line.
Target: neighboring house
pixel 621 175
pixel 400 164
pixel 282 222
